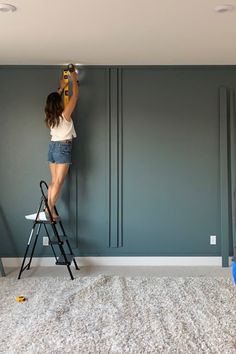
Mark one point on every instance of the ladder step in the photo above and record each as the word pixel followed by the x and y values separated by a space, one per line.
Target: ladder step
pixel 54 241
pixel 43 218
pixel 47 222
pixel 61 260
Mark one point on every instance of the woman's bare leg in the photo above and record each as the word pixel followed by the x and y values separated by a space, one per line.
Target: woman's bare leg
pixel 59 175
pixel 52 167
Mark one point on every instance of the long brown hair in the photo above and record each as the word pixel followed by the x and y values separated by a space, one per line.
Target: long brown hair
pixel 53 109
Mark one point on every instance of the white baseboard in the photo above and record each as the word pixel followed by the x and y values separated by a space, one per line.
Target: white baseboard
pixel 123 261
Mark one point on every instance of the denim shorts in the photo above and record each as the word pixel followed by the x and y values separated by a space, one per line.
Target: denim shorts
pixel 60 151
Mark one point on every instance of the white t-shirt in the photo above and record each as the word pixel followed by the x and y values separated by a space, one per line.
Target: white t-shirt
pixel 64 131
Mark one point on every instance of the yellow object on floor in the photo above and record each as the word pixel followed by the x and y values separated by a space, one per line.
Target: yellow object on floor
pixel 20 299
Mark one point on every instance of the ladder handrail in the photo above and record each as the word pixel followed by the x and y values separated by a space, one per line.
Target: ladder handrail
pixel 45 197
pixel 41 187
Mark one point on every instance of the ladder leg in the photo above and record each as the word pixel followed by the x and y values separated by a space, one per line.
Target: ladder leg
pixel 68 244
pixel 26 251
pixel 23 262
pixel 76 265
pixel 59 241
pixel 62 249
pixel 69 270
pixel 35 241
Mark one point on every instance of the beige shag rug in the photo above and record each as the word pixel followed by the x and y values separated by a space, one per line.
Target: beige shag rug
pixel 118 315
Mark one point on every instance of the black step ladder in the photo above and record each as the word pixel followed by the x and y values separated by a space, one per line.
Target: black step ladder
pixel 55 240
pixel 2 268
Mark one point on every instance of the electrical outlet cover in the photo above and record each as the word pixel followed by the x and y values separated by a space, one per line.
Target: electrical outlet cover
pixel 213 240
pixel 45 241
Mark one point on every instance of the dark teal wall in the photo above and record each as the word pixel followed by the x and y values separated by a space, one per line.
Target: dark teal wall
pixel 147 170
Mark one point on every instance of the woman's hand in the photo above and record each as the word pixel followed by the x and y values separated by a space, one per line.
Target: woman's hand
pixel 74 76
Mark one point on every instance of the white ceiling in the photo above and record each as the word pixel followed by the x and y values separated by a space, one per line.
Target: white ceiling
pixel 117 32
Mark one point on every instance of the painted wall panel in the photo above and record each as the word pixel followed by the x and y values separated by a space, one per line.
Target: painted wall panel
pixel 171 165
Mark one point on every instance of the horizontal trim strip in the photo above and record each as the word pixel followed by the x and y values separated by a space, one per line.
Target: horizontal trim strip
pixel 123 66
pixel 123 261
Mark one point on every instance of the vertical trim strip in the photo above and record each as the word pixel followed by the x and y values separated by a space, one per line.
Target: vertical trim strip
pixel 114 173
pixel 117 158
pixel 224 187
pixel 109 152
pixel 77 208
pixel 73 200
pixel 120 156
pixel 232 165
pixel 115 129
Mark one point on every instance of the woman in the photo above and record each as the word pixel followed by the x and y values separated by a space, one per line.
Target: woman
pixel 60 123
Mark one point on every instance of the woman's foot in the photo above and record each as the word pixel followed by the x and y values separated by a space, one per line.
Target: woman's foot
pixel 55 217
